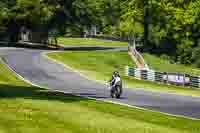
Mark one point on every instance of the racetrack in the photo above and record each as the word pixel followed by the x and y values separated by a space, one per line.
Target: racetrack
pixel 31 65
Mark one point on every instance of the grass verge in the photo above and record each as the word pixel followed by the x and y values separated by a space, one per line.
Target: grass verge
pixel 90 42
pixel 24 108
pixel 159 64
pixel 100 65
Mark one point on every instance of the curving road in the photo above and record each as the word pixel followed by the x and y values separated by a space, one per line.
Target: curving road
pixel 31 65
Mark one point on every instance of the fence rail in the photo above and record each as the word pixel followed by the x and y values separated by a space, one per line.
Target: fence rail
pixel 164 77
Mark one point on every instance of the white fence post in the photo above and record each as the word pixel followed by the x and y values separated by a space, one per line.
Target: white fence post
pixel 138 73
pixel 199 82
pixel 151 75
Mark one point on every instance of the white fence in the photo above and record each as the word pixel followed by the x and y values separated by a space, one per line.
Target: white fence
pixel 164 77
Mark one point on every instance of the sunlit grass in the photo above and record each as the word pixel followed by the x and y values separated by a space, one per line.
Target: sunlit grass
pixel 85 42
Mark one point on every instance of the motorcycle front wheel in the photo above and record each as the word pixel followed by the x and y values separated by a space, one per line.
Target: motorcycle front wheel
pixel 112 93
pixel 118 92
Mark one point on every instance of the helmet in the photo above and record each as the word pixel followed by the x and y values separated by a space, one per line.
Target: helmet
pixel 116 73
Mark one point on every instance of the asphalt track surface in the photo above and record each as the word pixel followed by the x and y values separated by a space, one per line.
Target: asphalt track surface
pixel 34 67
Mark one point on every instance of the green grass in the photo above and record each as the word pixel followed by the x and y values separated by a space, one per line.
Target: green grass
pixel 85 42
pixel 100 65
pixel 28 109
pixel 159 64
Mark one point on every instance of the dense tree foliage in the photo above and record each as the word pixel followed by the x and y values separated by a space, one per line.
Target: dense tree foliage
pixel 173 25
pixel 45 15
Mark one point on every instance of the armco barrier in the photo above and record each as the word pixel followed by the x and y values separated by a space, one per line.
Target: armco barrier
pixel 137 73
pixel 195 81
pixel 199 82
pixel 144 74
pixel 131 71
pixel 151 75
pixel 164 77
pixel 159 76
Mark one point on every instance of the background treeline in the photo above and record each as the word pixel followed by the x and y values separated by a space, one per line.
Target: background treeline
pixel 174 25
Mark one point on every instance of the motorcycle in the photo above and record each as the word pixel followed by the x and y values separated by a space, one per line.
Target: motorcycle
pixel 116 90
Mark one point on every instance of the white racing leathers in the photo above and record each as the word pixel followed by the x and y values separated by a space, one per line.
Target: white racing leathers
pixel 115 81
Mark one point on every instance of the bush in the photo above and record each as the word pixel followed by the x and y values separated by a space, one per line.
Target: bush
pixel 165 57
pixel 184 54
pixel 196 56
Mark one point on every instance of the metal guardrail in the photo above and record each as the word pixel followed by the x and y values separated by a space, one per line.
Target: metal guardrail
pixel 164 77
pixel 195 81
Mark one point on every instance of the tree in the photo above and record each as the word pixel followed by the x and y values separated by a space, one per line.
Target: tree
pixel 132 18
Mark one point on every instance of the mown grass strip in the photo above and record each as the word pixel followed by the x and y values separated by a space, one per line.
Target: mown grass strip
pixel 90 42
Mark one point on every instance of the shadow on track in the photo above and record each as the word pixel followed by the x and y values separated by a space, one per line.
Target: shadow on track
pixel 97 95
pixel 35 93
pixel 27 45
pixel 74 48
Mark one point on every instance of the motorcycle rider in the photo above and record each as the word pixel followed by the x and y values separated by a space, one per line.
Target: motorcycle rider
pixel 115 78
pixel 116 85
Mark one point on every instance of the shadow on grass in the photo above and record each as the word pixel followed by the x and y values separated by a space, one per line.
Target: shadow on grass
pixel 9 92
